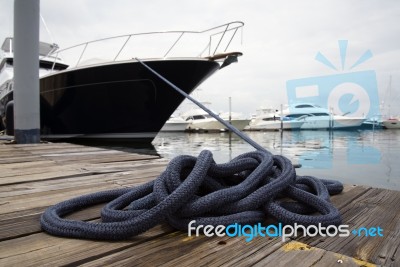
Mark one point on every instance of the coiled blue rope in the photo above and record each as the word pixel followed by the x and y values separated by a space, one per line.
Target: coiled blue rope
pixel 246 190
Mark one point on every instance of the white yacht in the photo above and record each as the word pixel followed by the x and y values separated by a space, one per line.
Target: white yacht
pixel 237 119
pixel 391 123
pixel 316 117
pixel 175 124
pixel 269 119
pixel 199 120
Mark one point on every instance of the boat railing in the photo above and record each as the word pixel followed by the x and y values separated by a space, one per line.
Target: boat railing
pixel 208 43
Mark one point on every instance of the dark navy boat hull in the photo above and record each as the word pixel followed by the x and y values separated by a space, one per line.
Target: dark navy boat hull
pixel 116 101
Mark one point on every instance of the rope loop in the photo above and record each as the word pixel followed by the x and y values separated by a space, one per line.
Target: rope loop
pixel 248 189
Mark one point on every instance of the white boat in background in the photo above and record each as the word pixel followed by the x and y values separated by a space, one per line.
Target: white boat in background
pixel 375 122
pixel 175 124
pixel 268 119
pixel 317 117
pixel 392 123
pixel 237 119
pixel 199 120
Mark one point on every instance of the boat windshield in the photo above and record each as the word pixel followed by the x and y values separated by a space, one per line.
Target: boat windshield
pixel 198 117
pixel 46 61
pixel 307 106
pixel 298 115
pixel 272 119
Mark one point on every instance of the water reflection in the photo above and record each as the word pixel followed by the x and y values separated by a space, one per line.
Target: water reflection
pixel 354 157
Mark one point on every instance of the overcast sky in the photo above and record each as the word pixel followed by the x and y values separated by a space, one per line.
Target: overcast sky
pixel 280 38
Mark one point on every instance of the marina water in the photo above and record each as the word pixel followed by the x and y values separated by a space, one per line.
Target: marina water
pixel 362 157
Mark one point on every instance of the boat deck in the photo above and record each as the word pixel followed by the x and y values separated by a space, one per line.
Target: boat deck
pixel 33 177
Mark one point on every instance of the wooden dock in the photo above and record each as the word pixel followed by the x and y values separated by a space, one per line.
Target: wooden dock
pixel 34 177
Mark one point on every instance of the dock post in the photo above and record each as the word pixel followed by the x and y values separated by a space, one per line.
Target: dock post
pixel 26 71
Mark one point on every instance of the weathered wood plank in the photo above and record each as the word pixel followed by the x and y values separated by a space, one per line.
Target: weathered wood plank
pixel 178 249
pixel 119 178
pixel 45 250
pixel 69 152
pixel 20 166
pixel 372 208
pixel 50 195
pixel 52 172
pixel 16 224
pixel 298 254
pixel 19 159
pixel 49 173
pixel 54 191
